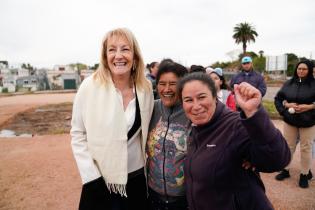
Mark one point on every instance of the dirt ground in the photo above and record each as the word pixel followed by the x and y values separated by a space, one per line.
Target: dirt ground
pixel 41 173
pixel 38 173
pixel 43 120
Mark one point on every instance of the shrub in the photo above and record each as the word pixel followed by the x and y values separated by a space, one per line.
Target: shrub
pixel 5 90
pixel 271 109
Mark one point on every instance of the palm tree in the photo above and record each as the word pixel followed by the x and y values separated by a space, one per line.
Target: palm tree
pixel 243 33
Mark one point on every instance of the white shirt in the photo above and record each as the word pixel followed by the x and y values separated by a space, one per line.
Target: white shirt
pixel 135 159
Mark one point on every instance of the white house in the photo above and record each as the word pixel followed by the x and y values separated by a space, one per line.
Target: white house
pixel 9 82
pixel 23 72
pixel 30 83
pixel 63 77
pixel 63 68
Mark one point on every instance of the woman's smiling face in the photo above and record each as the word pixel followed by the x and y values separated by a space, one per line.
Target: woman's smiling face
pixel 198 102
pixel 166 88
pixel 119 56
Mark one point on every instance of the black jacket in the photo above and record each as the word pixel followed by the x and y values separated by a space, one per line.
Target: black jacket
pixel 300 92
pixel 214 175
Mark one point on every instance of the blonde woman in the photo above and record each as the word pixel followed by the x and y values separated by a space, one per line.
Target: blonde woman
pixel 110 119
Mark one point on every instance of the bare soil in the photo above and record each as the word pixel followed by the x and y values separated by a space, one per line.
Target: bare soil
pixel 41 173
pixel 43 120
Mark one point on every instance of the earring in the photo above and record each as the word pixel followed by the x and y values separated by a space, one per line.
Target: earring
pixel 134 66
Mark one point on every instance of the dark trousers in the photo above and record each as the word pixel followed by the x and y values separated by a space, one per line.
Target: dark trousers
pixel 160 202
pixel 96 196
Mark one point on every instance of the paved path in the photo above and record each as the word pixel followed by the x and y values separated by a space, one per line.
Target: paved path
pixel 271 93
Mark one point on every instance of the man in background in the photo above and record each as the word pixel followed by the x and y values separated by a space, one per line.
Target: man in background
pixel 250 76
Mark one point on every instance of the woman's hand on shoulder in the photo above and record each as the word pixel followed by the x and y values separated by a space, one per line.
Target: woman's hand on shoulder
pixel 248 98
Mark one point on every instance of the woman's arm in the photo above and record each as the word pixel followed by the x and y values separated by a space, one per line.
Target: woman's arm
pixel 280 102
pixel 304 107
pixel 266 148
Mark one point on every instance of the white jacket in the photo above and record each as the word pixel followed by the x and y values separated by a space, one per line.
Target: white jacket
pixel 99 131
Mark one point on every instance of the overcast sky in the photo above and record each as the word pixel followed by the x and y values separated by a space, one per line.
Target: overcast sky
pixel 49 32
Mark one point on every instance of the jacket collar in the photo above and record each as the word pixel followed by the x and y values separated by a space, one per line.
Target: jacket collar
pixel 251 72
pixel 167 111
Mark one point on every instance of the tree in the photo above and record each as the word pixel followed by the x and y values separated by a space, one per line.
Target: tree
pixel 244 33
pixel 292 61
pixel 94 67
pixel 6 63
pixel 259 63
pixel 78 66
pixel 249 53
pixel 30 68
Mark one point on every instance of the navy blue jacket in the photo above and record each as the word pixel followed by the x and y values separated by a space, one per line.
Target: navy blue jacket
pixel 251 77
pixel 214 175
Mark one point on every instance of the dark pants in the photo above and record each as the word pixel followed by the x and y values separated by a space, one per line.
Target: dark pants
pixel 96 196
pixel 160 202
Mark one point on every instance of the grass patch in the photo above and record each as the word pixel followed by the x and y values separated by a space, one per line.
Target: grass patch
pixel 59 131
pixel 271 109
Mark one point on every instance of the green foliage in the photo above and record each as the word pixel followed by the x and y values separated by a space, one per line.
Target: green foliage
pixel 222 65
pixel 79 66
pixel 5 90
pixel 271 109
pixel 259 63
pixel 6 63
pixel 95 66
pixel 244 33
pixel 30 68
pixel 250 53
pixel 27 66
pixel 292 61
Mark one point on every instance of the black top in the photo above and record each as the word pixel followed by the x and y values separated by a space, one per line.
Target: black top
pixel 300 92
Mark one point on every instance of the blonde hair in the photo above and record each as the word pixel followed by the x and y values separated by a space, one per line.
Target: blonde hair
pixel 102 73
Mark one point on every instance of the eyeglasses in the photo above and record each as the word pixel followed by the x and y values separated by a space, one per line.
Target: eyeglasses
pixel 302 69
pixel 245 63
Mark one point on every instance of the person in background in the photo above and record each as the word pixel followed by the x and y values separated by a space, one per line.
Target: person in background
pixel 295 102
pixel 250 76
pixel 110 120
pixel 223 93
pixel 219 142
pixel 165 61
pixel 166 145
pixel 209 69
pixel 197 68
pixel 153 68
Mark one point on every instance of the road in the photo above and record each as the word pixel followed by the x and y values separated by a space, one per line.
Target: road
pixel 271 93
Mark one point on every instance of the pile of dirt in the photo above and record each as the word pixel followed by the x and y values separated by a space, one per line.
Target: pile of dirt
pixel 43 120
